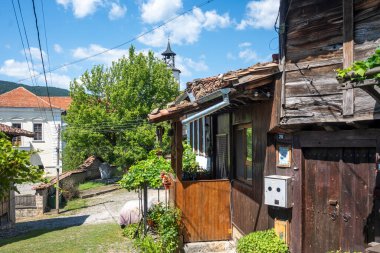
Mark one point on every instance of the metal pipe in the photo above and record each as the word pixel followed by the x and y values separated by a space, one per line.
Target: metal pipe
pixel 208 111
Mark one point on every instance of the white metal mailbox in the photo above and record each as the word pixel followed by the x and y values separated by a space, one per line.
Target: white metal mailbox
pixel 278 191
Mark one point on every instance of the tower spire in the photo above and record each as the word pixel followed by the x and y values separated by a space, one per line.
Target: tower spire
pixel 169 59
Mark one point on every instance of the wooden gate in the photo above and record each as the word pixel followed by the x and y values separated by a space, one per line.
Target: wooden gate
pixel 338 197
pixel 205 207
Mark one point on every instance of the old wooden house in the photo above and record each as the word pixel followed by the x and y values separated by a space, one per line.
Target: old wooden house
pixel 286 144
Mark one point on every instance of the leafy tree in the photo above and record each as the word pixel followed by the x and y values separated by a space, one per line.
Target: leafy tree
pixel 15 167
pixel 107 116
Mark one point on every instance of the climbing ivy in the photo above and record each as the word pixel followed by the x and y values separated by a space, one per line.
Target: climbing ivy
pixel 357 71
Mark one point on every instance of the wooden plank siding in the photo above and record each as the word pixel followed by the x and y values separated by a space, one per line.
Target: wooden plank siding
pixel 205 207
pixel 248 210
pixel 314 36
pixel 321 162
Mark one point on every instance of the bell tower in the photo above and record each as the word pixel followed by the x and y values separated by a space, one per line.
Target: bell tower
pixel 169 59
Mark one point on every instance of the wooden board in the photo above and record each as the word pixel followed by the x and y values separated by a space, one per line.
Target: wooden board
pixel 205 207
pixel 337 198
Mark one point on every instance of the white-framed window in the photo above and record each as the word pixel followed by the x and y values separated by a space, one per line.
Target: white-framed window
pixel 37 130
pixel 199 135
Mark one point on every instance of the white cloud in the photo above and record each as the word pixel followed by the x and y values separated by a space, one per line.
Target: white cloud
pixel 56 80
pixel 188 65
pixel 230 56
pixel 57 48
pixel 104 58
pixel 154 11
pixel 187 28
pixel 19 70
pixel 81 8
pixel 245 44
pixel 36 56
pixel 260 14
pixel 16 69
pixel 117 11
pixel 211 20
pixel 248 55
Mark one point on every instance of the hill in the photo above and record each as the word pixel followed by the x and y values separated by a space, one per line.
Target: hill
pixel 6 86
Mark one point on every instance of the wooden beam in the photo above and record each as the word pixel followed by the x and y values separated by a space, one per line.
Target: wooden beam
pixel 178 149
pixel 372 92
pixel 348 53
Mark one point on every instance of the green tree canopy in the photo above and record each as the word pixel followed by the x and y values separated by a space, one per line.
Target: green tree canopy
pixel 107 116
pixel 15 167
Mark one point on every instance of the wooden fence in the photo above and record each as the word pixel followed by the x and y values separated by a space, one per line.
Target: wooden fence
pixel 205 207
pixel 4 211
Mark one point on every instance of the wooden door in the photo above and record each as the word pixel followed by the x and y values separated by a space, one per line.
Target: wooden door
pixel 339 183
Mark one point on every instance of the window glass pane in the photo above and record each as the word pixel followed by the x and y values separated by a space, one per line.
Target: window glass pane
pixel 37 130
pixel 201 149
pixel 239 154
pixel 195 146
pixel 243 154
pixel 191 134
pixel 249 154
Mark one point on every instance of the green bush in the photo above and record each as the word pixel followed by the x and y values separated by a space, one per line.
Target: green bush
pixel 131 231
pixel 262 242
pixel 166 227
pixel 147 244
pixel 189 163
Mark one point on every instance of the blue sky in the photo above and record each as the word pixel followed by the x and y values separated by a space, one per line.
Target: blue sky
pixel 221 35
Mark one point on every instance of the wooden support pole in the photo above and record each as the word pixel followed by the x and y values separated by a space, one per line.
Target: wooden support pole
pixel 348 53
pixel 57 188
pixel 179 149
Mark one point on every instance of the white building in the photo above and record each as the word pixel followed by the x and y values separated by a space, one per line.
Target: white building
pixel 21 108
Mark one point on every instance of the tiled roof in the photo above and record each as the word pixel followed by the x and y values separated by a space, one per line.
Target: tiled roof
pixel 60 102
pixel 82 168
pixel 13 131
pixel 205 86
pixel 22 98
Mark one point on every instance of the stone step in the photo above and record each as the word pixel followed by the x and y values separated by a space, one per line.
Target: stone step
pixel 212 247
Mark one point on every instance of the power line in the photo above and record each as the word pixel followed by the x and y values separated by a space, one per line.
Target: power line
pixel 46 42
pixel 43 63
pixel 34 82
pixel 126 42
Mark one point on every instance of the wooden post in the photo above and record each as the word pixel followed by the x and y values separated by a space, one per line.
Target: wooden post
pixel 348 53
pixel 178 149
pixel 57 188
pixel 145 206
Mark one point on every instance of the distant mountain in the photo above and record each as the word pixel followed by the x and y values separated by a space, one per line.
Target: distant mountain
pixel 6 86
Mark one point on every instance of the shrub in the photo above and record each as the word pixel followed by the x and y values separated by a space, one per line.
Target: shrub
pixel 262 242
pixel 132 231
pixel 166 226
pixel 189 163
pixel 148 245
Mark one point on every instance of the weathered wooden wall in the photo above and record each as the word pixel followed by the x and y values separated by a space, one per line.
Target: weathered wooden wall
pixel 205 207
pixel 248 211
pixel 314 40
pixel 353 170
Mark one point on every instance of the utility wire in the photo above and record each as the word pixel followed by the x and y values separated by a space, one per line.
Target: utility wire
pixel 43 63
pixel 126 42
pixel 46 41
pixel 34 82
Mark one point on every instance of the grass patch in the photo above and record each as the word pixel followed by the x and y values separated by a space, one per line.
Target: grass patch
pixel 90 185
pixel 86 238
pixel 75 204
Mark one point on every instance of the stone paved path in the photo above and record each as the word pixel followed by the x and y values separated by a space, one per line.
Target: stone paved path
pixel 101 209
